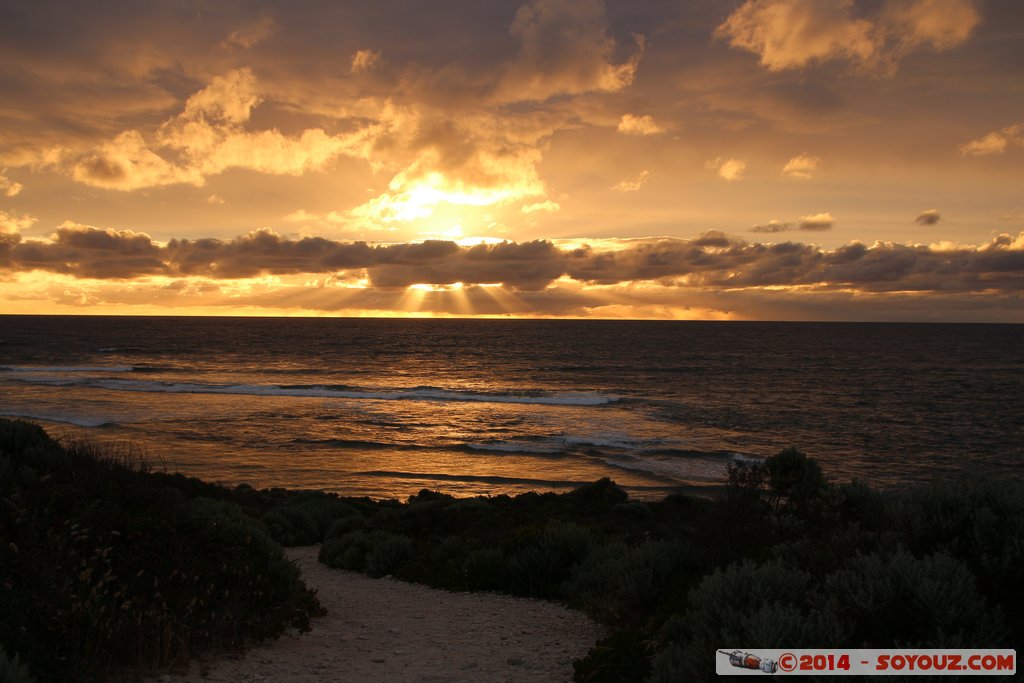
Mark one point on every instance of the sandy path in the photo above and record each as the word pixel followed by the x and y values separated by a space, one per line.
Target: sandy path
pixel 387 630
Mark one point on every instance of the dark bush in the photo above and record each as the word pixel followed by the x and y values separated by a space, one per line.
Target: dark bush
pixel 12 670
pixel 389 554
pixel 794 480
pixel 340 527
pixel 602 494
pixel 979 521
pixel 929 602
pixel 347 551
pixel 543 562
pixel 104 565
pixel 617 580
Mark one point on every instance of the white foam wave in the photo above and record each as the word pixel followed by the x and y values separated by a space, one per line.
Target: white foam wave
pixel 315 391
pixel 603 441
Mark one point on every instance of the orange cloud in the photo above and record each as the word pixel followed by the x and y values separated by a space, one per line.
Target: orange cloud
pixel 943 24
pixel 546 205
pixel 801 166
pixel 9 187
pixel 728 169
pixel 12 224
pixel 631 124
pixel 208 138
pixel 817 221
pixel 995 142
pixel 791 34
pixel 633 185
pixel 364 60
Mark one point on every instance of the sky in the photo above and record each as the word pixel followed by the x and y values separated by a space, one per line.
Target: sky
pixel 702 159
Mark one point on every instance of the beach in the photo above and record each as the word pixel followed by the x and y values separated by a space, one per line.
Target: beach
pixel 389 630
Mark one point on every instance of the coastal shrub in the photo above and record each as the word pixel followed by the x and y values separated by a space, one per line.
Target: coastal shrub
pixel 795 481
pixel 622 657
pixel 291 526
pixel 442 564
pixel 305 517
pixel 486 569
pixel 340 527
pixel 17 436
pixel 617 580
pixel 469 506
pixel 12 670
pixel 634 509
pixel 347 551
pixel 980 521
pixel 542 563
pixel 601 494
pixel 105 566
pixel 769 605
pixel 377 552
pixel 388 554
pixel 918 602
pixel 746 483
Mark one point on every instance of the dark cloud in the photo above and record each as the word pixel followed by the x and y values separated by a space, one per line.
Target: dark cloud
pixel 929 217
pixel 710 260
pixel 771 227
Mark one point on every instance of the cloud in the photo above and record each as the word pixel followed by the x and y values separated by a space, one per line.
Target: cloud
pixel 207 138
pixel 817 221
pixel 942 24
pixel 792 34
pixel 565 49
pixel 88 252
pixel 545 206
pixel 364 60
pixel 127 163
pixel 710 260
pixel 214 199
pixel 11 224
pixel 929 217
pixel 995 142
pixel 9 187
pixel 446 133
pixel 801 166
pixel 772 226
pixel 728 169
pixel 633 185
pixel 631 124
pixel 250 34
pixel 230 98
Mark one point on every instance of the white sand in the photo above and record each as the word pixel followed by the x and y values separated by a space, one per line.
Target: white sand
pixel 388 630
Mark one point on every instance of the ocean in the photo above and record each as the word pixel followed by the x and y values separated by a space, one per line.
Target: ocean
pixel 385 407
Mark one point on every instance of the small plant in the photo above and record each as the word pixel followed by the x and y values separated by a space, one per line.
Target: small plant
pixel 12 670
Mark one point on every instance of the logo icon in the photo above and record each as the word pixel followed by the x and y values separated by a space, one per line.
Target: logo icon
pixel 744 660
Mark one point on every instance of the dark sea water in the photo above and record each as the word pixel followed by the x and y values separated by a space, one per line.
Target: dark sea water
pixel 386 407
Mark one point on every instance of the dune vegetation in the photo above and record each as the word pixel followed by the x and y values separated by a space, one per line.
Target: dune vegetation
pixel 108 569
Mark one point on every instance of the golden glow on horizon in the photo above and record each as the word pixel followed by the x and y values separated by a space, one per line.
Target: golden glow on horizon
pixel 768 170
